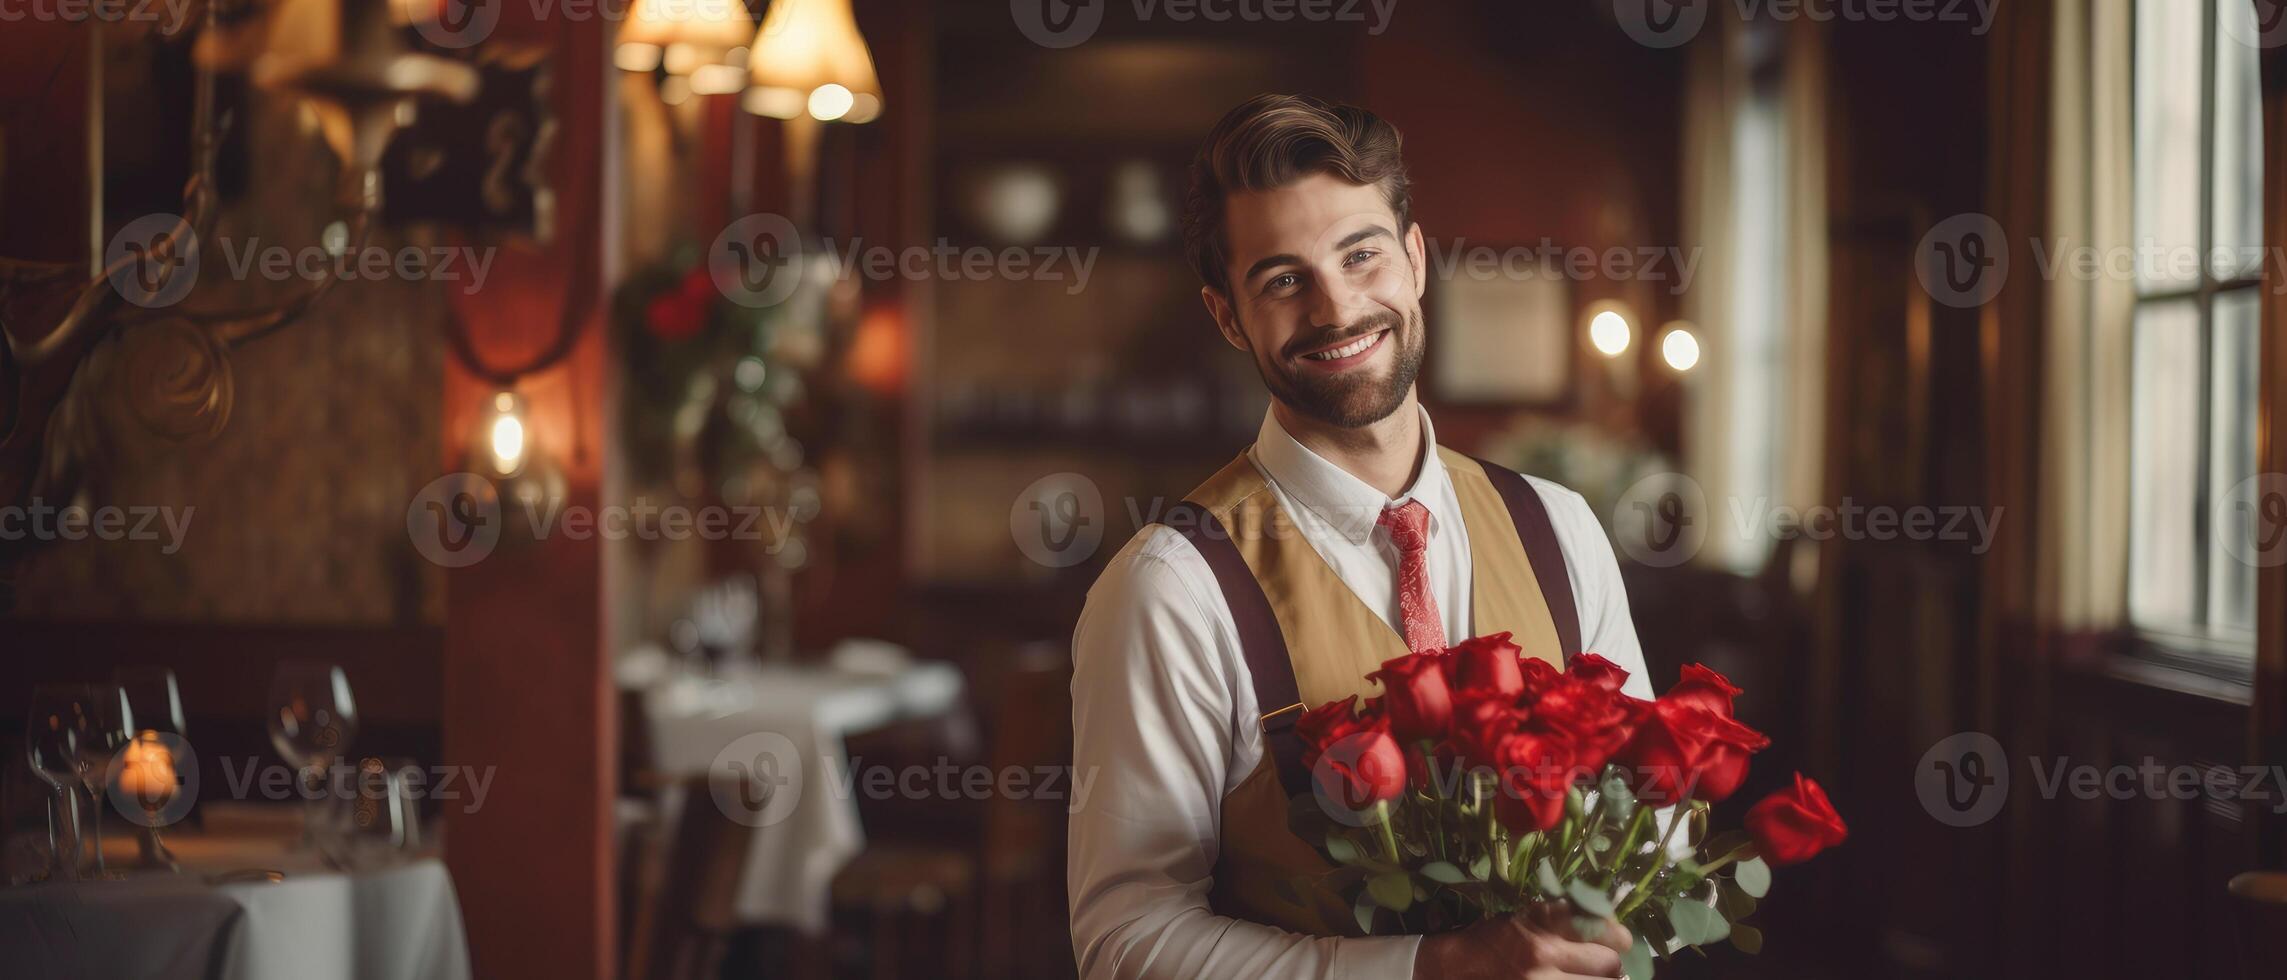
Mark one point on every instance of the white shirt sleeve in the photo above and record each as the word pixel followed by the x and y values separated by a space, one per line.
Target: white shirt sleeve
pixel 1606 628
pixel 1159 691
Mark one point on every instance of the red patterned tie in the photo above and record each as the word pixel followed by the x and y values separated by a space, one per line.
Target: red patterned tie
pixel 1417 608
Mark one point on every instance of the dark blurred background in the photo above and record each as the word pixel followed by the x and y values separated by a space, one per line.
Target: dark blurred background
pixel 934 460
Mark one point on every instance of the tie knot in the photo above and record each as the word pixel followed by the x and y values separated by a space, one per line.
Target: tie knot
pixel 1409 525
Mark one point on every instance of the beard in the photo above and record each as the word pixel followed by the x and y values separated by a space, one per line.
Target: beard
pixel 1351 399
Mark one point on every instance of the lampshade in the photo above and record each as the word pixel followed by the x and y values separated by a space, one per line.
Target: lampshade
pixel 685 34
pixel 809 57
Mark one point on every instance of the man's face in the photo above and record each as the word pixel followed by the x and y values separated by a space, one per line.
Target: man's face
pixel 1326 294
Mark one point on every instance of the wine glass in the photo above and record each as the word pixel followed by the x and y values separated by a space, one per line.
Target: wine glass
pixel 51 745
pixel 312 721
pixel 105 724
pixel 157 704
pixel 153 697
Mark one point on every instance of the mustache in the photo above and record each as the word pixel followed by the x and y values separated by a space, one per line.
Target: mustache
pixel 1374 323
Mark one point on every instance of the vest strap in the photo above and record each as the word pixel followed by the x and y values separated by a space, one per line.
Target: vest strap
pixel 1538 534
pixel 1261 641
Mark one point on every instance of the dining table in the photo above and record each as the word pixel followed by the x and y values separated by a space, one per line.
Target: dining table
pixel 246 902
pixel 792 719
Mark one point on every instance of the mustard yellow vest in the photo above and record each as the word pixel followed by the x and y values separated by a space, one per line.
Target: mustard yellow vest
pixel 1308 639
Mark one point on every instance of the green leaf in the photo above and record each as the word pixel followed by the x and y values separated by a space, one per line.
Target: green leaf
pixel 1748 939
pixel 1696 924
pixel 1343 849
pixel 1733 901
pixel 1588 899
pixel 1600 843
pixel 1638 960
pixel 1364 911
pixel 1721 844
pixel 1618 800
pixel 1753 876
pixel 1393 891
pixel 1482 868
pixel 1544 875
pixel 1443 872
pixel 1588 926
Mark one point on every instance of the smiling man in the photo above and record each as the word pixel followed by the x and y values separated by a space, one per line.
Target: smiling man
pixel 1345 536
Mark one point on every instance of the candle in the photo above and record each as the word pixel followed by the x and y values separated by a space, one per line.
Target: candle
pixel 148 772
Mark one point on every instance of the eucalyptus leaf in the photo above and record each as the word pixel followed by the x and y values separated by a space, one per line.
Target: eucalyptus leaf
pixel 1482 868
pixel 1342 849
pixel 1393 891
pixel 1364 911
pixel 1753 876
pixel 1638 961
pixel 1696 924
pixel 1443 872
pixel 1587 898
pixel 1588 926
pixel 1619 801
pixel 1747 939
pixel 1721 844
pixel 1544 875
pixel 1733 901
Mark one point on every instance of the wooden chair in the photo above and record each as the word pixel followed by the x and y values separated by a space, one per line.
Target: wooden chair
pixel 2260 913
pixel 684 918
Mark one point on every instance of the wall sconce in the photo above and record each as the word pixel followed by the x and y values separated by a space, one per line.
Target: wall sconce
pixel 503 433
pixel 686 37
pixel 809 58
pixel 1610 332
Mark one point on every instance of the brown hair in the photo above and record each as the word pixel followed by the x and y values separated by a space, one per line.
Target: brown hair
pixel 1271 141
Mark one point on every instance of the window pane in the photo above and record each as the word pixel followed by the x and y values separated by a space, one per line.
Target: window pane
pixel 2168 85
pixel 2233 408
pixel 2163 557
pixel 2239 145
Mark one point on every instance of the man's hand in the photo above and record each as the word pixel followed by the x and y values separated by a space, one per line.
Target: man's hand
pixel 1539 945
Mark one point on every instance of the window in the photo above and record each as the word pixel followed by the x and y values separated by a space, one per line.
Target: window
pixel 2197 231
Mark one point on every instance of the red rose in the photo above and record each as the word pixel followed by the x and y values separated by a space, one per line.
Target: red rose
pixel 1599 720
pixel 1704 688
pixel 1488 664
pixel 1480 722
pixel 674 316
pixel 1324 725
pixel 1536 770
pixel 1361 769
pixel 1414 691
pixel 1681 751
pixel 1598 671
pixel 1539 676
pixel 1791 826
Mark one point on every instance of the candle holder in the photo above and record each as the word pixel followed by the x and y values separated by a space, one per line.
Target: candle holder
pixel 148 778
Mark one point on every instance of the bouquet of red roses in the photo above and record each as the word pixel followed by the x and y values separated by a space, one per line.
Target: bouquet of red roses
pixel 1482 782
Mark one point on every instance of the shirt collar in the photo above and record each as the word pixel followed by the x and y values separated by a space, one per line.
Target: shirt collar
pixel 1349 505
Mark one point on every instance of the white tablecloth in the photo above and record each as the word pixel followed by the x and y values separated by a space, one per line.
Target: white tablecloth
pixel 399 923
pixel 797 716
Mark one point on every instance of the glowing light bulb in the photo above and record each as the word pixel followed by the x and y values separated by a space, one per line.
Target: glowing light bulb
pixel 507 432
pixel 830 101
pixel 1610 332
pixel 1680 349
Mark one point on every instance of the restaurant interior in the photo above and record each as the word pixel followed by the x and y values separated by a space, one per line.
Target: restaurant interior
pixel 534 421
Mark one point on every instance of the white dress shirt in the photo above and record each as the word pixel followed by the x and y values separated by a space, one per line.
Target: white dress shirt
pixel 1165 720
